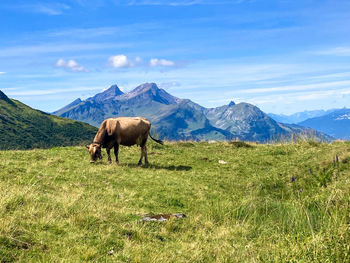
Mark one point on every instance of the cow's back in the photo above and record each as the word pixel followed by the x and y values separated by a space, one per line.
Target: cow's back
pixel 131 130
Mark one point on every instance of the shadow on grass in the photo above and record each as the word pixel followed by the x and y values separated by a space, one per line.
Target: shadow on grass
pixel 170 167
pixel 148 166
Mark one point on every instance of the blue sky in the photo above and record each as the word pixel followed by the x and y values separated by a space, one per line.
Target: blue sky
pixel 283 56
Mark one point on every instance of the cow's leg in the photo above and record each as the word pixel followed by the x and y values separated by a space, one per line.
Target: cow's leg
pixel 140 161
pixel 145 154
pixel 108 150
pixel 116 150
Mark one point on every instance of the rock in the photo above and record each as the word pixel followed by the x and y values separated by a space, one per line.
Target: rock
pixel 162 217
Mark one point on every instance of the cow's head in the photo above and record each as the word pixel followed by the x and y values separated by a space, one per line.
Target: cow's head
pixel 95 152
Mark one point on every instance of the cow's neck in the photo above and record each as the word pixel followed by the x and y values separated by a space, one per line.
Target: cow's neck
pixel 99 137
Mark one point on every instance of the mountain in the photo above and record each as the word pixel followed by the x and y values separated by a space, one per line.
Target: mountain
pixel 22 127
pixel 246 122
pixel 299 116
pixel 336 123
pixel 173 118
pixel 110 93
pixel 180 119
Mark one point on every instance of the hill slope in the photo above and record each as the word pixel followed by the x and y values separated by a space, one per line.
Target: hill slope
pixel 336 124
pixel 22 127
pixel 180 119
pixel 268 203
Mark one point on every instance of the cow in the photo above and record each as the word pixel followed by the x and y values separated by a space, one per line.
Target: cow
pixel 126 131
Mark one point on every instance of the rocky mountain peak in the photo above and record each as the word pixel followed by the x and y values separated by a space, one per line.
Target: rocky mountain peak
pixel 77 101
pixel 148 92
pixel 145 87
pixel 110 93
pixel 231 104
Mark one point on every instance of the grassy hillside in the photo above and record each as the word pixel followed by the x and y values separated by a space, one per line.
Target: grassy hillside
pixel 22 127
pixel 268 203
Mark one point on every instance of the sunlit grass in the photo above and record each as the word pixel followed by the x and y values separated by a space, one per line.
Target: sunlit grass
pixel 56 206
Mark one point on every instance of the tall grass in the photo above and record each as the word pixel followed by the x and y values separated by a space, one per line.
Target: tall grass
pixel 268 203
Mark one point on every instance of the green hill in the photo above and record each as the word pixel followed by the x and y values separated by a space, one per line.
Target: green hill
pixel 22 127
pixel 267 203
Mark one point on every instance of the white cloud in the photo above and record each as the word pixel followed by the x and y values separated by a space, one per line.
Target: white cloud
pixel 121 61
pixel 1 72
pixel 161 62
pixel 60 63
pixel 70 65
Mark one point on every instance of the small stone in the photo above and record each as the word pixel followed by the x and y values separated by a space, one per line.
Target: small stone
pixel 111 252
pixel 222 162
pixel 163 217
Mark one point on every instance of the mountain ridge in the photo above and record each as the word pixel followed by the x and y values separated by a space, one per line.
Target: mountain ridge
pixel 181 119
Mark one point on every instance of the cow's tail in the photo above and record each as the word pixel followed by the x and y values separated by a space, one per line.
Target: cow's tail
pixel 158 141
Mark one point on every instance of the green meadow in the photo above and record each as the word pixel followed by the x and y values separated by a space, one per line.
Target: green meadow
pixel 285 202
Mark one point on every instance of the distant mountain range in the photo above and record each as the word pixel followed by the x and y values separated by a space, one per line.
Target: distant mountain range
pixel 299 116
pixel 335 124
pixel 22 127
pixel 181 119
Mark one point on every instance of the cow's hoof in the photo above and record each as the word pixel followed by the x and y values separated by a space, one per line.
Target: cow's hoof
pixel 139 164
pixel 116 162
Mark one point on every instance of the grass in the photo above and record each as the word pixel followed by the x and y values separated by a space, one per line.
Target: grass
pixel 268 203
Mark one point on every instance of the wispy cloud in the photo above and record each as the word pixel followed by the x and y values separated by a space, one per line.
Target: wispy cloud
pixel 182 2
pixel 42 92
pixel 1 72
pixel 154 62
pixel 337 51
pixel 333 84
pixel 20 51
pixel 92 32
pixel 70 65
pixel 51 9
pixel 169 85
pixel 298 97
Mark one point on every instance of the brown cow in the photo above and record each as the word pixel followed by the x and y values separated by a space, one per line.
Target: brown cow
pixel 121 131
